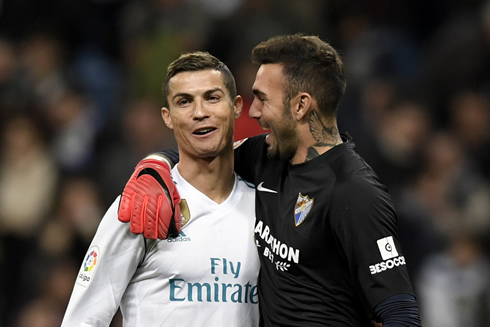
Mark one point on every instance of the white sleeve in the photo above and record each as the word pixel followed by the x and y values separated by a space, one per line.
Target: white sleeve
pixel 106 270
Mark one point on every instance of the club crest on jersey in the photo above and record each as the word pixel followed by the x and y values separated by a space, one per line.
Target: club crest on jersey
pixel 184 213
pixel 302 208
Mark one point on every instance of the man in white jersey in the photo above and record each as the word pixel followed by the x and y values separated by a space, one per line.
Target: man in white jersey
pixel 207 274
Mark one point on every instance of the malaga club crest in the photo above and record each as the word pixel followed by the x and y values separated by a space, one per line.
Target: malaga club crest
pixel 302 208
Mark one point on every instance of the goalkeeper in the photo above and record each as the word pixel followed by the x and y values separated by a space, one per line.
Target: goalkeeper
pixel 204 272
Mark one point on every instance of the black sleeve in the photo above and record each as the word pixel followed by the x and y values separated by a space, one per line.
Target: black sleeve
pixel 246 155
pixel 172 155
pixel 363 219
pixel 249 155
pixel 399 310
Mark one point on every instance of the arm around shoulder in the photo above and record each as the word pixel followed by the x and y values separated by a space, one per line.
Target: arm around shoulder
pixel 150 200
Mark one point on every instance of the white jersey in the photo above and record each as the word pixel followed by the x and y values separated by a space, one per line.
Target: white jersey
pixel 207 276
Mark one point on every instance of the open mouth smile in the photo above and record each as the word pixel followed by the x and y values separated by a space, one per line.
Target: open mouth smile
pixel 204 131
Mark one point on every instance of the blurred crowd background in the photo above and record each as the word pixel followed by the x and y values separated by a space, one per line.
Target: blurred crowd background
pixel 80 98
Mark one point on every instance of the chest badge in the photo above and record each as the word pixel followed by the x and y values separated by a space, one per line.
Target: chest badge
pixel 302 208
pixel 184 212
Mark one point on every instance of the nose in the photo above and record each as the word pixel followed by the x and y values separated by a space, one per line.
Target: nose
pixel 255 109
pixel 200 110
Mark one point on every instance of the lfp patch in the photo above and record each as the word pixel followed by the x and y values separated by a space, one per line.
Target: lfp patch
pixel 89 266
pixel 302 208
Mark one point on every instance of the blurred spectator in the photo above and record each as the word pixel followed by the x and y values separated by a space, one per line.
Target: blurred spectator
pixel 61 246
pixel 46 306
pixel 50 267
pixel 457 56
pixel 13 97
pixel 142 132
pixel 377 97
pixel 454 285
pixel 102 80
pixel 155 32
pixel 362 109
pixel 470 123
pixel 28 180
pixel 256 21
pixel 378 53
pixel 456 193
pixel 394 149
pixel 73 123
pixel 217 8
pixel 446 196
pixel 74 221
pixel 39 313
pixel 43 68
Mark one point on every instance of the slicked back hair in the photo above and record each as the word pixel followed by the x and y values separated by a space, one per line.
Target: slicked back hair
pixel 194 62
pixel 309 65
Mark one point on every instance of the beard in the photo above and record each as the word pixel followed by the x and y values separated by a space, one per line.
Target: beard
pixel 285 137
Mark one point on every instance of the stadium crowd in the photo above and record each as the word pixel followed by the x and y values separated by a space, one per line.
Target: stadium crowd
pixel 80 93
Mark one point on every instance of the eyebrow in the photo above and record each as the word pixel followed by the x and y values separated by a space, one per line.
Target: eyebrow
pixel 207 93
pixel 259 93
pixel 183 95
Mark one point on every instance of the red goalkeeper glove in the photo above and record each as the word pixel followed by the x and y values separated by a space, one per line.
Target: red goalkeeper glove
pixel 150 201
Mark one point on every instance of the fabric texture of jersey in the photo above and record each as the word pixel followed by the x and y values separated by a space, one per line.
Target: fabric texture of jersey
pixel 207 276
pixel 326 236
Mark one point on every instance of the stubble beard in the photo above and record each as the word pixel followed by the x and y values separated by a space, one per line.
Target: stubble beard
pixel 286 140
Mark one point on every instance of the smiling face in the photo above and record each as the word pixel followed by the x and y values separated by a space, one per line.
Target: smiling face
pixel 272 114
pixel 201 113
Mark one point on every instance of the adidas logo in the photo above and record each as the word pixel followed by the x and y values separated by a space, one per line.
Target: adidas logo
pixel 181 238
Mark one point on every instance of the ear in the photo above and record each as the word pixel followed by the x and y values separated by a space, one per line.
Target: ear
pixel 238 106
pixel 166 117
pixel 301 106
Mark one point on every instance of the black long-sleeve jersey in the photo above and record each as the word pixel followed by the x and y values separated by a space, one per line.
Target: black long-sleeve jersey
pixel 326 235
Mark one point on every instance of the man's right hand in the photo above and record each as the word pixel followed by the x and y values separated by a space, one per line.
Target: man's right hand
pixel 150 201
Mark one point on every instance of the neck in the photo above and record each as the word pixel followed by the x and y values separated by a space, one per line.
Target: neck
pixel 317 136
pixel 214 177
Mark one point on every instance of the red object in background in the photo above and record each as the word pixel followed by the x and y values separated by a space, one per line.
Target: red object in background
pixel 246 126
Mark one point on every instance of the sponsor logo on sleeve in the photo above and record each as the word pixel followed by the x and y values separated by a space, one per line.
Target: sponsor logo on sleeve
pixel 389 254
pixel 89 267
pixel 387 248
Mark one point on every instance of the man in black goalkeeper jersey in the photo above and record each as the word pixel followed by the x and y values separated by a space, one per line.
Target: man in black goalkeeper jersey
pixel 325 227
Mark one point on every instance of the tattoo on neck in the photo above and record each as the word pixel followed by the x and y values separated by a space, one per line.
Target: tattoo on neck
pixel 323 135
pixel 312 153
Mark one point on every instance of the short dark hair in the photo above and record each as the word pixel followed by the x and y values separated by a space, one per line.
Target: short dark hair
pixel 310 65
pixel 197 61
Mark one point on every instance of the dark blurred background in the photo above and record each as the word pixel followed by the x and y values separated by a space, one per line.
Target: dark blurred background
pixel 80 96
